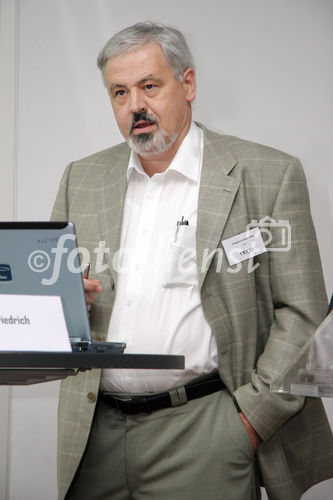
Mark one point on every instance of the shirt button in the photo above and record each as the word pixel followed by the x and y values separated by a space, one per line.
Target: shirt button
pixel 150 197
pixel 145 232
pixel 137 266
pixel 91 397
pixel 129 302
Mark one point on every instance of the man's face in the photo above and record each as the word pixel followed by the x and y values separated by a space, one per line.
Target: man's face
pixel 152 108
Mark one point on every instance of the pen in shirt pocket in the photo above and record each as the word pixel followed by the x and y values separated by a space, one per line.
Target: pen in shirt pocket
pixel 182 222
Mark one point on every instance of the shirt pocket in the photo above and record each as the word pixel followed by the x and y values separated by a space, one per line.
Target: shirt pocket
pixel 180 262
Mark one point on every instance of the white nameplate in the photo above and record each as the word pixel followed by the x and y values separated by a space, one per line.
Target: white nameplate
pixel 244 246
pixel 32 323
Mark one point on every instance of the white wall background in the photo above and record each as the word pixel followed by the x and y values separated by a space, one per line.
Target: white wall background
pixel 265 73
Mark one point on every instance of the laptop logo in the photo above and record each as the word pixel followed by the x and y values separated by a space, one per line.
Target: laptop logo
pixel 5 273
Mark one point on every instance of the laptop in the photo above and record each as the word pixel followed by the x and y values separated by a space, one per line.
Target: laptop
pixel 41 258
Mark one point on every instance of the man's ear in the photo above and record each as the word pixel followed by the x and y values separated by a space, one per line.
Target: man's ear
pixel 189 84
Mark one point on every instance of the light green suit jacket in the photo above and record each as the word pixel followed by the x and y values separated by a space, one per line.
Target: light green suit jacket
pixel 260 319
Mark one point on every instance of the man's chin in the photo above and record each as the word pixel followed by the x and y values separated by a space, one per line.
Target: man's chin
pixel 142 144
pixel 146 153
pixel 142 139
pixel 151 144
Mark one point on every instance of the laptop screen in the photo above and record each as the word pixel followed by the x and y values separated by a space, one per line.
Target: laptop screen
pixel 41 258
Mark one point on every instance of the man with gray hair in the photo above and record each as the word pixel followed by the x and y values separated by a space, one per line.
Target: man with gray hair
pixel 176 197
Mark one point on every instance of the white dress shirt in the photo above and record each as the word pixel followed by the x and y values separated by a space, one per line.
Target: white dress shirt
pixel 157 306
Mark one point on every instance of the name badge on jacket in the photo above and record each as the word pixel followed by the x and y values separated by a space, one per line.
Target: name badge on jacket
pixel 244 246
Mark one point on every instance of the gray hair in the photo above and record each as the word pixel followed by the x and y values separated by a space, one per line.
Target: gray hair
pixel 171 40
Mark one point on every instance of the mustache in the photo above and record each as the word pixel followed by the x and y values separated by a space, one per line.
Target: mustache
pixel 141 116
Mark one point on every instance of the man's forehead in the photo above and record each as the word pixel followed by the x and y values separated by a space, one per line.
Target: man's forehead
pixel 142 63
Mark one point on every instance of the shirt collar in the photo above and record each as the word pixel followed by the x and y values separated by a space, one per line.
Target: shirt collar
pixel 187 160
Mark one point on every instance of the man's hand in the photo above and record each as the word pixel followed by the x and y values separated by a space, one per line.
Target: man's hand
pixel 254 437
pixel 91 287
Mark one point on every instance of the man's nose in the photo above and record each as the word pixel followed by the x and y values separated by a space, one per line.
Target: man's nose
pixel 137 101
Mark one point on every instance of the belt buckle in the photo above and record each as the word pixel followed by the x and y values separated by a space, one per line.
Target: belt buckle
pixel 178 396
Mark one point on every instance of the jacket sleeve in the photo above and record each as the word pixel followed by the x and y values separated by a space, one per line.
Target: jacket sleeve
pixel 300 304
pixel 61 209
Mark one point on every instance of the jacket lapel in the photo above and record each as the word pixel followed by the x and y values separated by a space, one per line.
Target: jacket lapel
pixel 110 203
pixel 216 196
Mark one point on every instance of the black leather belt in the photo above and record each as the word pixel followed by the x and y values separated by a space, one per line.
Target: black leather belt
pixel 202 386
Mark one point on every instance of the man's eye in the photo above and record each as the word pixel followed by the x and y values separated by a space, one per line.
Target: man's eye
pixel 149 86
pixel 120 93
